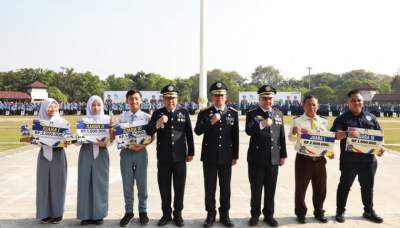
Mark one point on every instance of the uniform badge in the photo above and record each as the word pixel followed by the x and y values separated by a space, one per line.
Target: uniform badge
pixel 278 120
pixel 369 118
pixel 230 120
pixel 181 117
pixel 170 88
pixel 219 85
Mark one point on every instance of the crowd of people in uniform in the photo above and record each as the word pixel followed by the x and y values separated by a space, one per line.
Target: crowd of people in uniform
pixel 219 125
pixel 79 108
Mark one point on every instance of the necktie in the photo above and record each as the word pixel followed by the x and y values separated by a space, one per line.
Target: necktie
pixel 133 118
pixel 314 124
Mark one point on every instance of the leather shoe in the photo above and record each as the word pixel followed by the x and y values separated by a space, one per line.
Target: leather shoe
pixel 126 219
pixel 143 219
pixel 301 219
pixel 226 221
pixel 340 217
pixel 178 220
pixel 164 220
pixel 98 221
pixel 321 218
pixel 373 217
pixel 253 221
pixel 209 220
pixel 271 221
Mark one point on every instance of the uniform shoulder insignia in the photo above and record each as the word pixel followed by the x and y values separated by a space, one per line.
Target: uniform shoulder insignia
pixel 296 117
pixel 233 109
pixel 323 117
pixel 251 110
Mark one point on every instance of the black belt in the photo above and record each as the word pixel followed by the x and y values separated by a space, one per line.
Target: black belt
pixel 310 158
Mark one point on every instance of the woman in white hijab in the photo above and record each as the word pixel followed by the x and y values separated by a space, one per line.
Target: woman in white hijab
pixel 93 170
pixel 51 172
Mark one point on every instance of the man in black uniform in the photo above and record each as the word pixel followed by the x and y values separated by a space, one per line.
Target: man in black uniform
pixel 353 164
pixel 220 151
pixel 175 147
pixel 267 151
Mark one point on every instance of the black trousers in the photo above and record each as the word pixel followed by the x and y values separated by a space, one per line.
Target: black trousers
pixel 168 172
pixel 260 177
pixel 224 173
pixel 366 176
pixel 310 169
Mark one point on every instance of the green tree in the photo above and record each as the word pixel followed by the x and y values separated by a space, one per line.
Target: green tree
pixel 324 94
pixel 266 75
pixel 55 93
pixel 117 83
pixel 395 83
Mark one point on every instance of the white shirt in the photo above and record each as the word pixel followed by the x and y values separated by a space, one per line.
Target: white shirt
pixel 130 117
pixel 304 121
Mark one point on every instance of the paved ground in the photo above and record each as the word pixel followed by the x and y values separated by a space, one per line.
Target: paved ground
pixel 17 191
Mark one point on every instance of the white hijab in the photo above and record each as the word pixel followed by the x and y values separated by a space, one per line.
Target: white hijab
pixel 99 117
pixel 89 112
pixel 47 150
pixel 44 106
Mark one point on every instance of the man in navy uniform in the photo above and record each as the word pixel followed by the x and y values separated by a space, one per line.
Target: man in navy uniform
pixel 175 147
pixel 267 151
pixel 353 164
pixel 220 151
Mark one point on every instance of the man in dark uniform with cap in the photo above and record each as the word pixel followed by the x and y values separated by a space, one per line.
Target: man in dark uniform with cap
pixel 175 147
pixel 220 151
pixel 267 151
pixel 355 164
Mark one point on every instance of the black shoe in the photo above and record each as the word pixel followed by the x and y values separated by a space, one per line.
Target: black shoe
pixel 321 218
pixel 226 221
pixel 97 221
pixel 126 219
pixel 56 220
pixel 301 219
pixel 373 217
pixel 178 220
pixel 253 221
pixel 143 219
pixel 164 220
pixel 271 221
pixel 45 221
pixel 340 217
pixel 85 222
pixel 209 220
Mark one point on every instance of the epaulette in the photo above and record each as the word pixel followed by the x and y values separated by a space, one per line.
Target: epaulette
pixel 233 109
pixel 252 110
pixel 323 117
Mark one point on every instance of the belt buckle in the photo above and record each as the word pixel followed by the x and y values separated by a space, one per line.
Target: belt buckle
pixel 315 158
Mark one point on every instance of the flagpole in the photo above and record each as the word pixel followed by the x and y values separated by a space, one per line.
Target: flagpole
pixel 203 71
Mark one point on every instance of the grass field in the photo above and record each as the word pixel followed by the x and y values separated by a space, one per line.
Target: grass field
pixel 10 132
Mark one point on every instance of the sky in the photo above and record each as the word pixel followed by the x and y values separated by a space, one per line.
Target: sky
pixel 162 36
